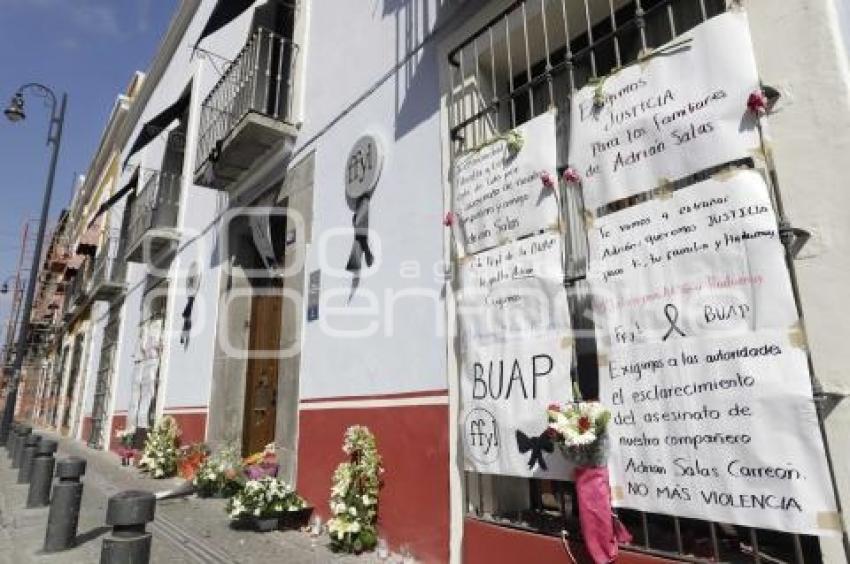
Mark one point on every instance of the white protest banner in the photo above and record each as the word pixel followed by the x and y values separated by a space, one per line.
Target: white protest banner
pixel 498 192
pixel 705 373
pixel 705 261
pixel 505 390
pixel 681 111
pixel 720 429
pixel 516 289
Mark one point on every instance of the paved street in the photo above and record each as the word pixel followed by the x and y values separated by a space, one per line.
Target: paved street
pixel 186 529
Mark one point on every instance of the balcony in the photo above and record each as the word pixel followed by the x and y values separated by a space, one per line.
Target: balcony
pixel 153 217
pixel 248 112
pixel 108 273
pixel 58 256
pixel 76 291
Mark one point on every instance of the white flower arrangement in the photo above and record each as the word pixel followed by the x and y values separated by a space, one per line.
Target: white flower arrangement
pixel 264 498
pixel 161 449
pixel 354 494
pixel 220 474
pixel 579 428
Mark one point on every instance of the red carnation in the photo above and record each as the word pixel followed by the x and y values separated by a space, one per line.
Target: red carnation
pixel 570 176
pixel 757 102
pixel 584 424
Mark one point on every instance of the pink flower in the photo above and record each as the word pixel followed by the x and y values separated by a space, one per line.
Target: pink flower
pixel 757 102
pixel 548 181
pixel 449 219
pixel 554 407
pixel 570 176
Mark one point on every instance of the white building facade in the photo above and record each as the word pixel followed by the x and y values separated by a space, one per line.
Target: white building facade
pixel 258 308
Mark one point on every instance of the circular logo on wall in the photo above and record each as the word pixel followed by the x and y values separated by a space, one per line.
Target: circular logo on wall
pixel 481 436
pixel 363 167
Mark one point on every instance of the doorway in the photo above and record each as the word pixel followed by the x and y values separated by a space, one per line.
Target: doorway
pixel 260 415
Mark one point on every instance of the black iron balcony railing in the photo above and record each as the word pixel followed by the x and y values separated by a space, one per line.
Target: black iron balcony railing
pixel 109 267
pixel 76 290
pixel 153 213
pixel 248 110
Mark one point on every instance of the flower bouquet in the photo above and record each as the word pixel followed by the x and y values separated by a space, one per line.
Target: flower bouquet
pixel 125 445
pixel 263 502
pixel 354 494
pixel 262 464
pixel 580 430
pixel 189 460
pixel 161 452
pixel 220 474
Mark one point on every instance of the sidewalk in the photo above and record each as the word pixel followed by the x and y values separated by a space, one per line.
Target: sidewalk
pixel 186 530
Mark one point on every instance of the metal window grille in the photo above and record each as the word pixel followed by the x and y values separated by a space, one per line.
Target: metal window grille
pixel 105 371
pixel 526 60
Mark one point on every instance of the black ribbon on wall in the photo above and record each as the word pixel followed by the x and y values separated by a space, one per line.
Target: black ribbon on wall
pixel 360 246
pixel 187 321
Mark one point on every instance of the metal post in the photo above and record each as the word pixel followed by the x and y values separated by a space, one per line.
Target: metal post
pixel 18 447
pixel 9 443
pixel 65 506
pixel 41 475
pixel 54 138
pixel 30 447
pixel 128 513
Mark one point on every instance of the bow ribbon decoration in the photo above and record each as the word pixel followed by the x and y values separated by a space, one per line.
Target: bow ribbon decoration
pixel 537 445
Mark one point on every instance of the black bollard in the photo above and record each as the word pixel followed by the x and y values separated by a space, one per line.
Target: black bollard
pixel 41 475
pixel 23 432
pixel 10 438
pixel 65 505
pixel 128 513
pixel 30 446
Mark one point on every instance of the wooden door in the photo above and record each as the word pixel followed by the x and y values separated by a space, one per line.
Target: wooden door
pixel 261 374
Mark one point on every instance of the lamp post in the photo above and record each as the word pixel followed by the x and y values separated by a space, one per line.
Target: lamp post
pixel 15 112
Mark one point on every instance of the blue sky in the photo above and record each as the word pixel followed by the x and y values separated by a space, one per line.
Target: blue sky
pixel 87 48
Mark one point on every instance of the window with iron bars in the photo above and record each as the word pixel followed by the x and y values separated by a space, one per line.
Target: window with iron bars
pixel 525 60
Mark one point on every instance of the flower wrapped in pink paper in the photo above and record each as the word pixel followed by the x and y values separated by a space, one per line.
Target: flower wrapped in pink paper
pixel 580 430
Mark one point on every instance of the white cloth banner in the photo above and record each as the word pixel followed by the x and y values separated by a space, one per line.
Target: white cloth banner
pixel 514 290
pixel 706 375
pixel 703 262
pixel 681 111
pixel 505 389
pixel 720 429
pixel 498 195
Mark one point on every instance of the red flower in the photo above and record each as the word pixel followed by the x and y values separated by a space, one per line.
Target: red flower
pixel 584 424
pixel 551 433
pixel 570 176
pixel 548 181
pixel 449 219
pixel 554 407
pixel 757 102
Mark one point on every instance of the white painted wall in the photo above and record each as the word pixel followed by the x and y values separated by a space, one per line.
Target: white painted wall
pixel 398 308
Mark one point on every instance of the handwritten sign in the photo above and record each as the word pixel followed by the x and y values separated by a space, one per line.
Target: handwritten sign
pixel 514 290
pixel 498 192
pixel 681 111
pixel 703 262
pixel 505 389
pixel 720 429
pixel 704 369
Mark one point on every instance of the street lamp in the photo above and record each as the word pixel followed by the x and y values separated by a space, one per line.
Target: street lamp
pixel 15 112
